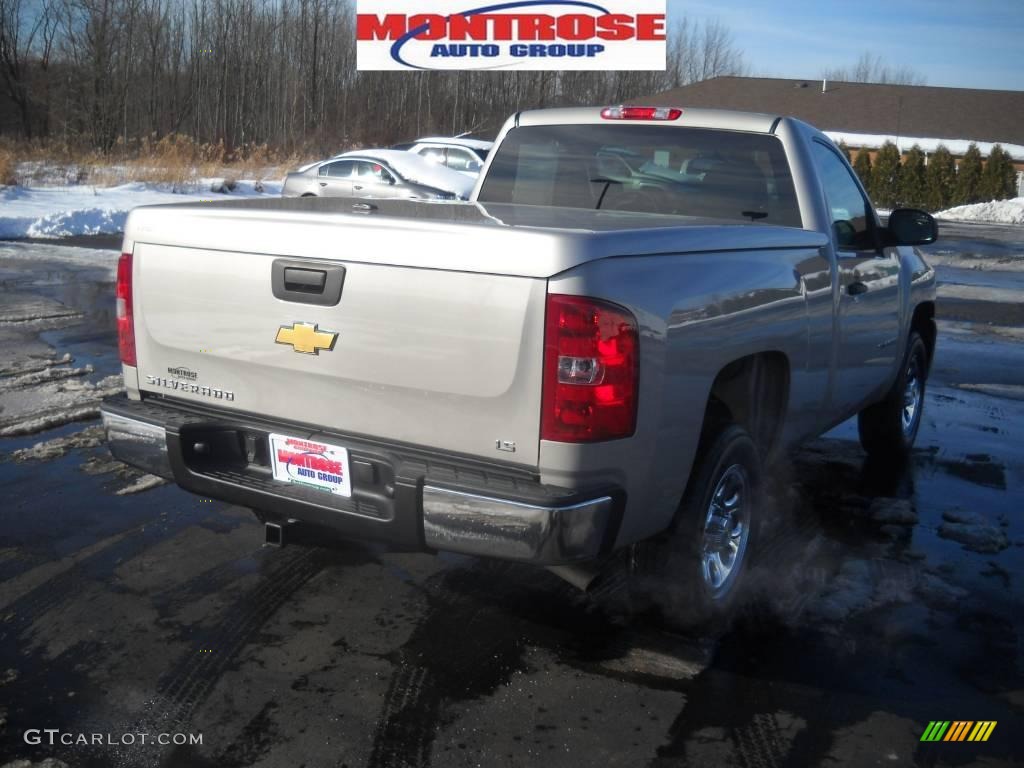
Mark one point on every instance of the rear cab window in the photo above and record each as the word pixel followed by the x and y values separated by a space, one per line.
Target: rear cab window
pixel 719 174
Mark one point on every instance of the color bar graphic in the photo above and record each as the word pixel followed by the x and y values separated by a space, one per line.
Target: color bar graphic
pixel 958 730
pixel 935 731
pixel 982 730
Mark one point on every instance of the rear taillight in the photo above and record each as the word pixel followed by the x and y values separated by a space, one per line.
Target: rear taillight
pixel 590 371
pixel 125 315
pixel 641 113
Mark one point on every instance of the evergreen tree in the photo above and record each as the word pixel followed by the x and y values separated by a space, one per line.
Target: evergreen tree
pixel 862 166
pixel 968 178
pixel 912 183
pixel 998 180
pixel 885 177
pixel 940 178
pixel 845 150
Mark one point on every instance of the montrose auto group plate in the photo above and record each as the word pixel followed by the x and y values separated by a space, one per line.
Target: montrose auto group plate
pixel 311 463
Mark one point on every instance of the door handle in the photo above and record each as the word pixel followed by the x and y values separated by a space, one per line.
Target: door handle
pixel 301 280
pixel 303 283
pixel 857 289
pixel 356 187
pixel 323 183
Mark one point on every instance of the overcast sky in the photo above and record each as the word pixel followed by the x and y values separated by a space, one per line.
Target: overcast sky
pixel 963 43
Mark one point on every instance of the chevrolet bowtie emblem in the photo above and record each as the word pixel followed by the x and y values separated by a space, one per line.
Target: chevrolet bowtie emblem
pixel 306 338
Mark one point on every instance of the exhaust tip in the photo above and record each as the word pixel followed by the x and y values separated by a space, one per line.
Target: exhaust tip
pixel 273 535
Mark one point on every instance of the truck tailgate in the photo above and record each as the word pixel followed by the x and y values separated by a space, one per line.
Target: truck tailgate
pixel 448 359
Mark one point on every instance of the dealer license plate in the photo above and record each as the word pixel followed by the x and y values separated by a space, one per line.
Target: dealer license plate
pixel 311 463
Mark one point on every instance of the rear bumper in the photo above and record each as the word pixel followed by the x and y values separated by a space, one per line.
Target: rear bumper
pixel 414 500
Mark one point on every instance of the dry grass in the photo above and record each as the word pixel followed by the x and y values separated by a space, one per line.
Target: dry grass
pixel 7 165
pixel 176 160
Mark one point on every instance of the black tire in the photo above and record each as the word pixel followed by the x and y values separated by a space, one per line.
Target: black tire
pixel 308 194
pixel 889 428
pixel 674 572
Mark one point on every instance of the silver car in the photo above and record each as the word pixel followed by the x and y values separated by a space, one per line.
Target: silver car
pixel 378 173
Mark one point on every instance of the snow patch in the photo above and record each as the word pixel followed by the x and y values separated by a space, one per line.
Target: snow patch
pixel 51 212
pixel 90 437
pixel 51 420
pixel 996 212
pixel 972 532
pixel 49 374
pixel 61 254
pixel 34 365
pixel 53 404
pixel 144 483
pixel 91 221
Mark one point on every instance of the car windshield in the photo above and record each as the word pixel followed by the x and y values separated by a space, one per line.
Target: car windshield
pixel 646 169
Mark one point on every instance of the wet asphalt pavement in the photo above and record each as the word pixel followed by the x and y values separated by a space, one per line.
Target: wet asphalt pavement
pixel 884 599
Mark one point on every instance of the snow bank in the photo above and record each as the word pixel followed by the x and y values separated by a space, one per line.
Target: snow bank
pixel 997 212
pixel 63 254
pixel 85 210
pixel 904 143
pixel 419 170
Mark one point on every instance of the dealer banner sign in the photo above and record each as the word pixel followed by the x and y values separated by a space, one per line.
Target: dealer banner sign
pixel 516 35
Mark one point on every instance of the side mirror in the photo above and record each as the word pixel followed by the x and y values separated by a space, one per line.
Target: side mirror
pixel 909 226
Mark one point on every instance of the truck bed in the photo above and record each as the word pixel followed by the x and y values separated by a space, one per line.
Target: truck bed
pixel 535 241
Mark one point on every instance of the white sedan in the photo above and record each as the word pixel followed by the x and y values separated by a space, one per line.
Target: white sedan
pixel 378 173
pixel 459 154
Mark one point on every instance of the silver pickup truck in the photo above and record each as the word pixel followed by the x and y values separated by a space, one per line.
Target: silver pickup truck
pixel 596 354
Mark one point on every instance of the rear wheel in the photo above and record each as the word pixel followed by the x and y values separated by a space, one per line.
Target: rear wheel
pixel 888 429
pixel 696 573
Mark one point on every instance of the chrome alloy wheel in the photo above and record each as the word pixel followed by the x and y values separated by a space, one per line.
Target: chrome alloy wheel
pixel 912 397
pixel 726 531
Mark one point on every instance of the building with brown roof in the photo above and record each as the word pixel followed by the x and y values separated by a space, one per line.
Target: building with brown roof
pixel 909 112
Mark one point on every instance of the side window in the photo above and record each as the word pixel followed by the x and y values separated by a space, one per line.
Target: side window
pixel 340 170
pixel 373 173
pixel 462 160
pixel 437 154
pixel 852 223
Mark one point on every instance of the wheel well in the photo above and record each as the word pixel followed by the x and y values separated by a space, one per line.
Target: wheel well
pixel 754 393
pixel 923 322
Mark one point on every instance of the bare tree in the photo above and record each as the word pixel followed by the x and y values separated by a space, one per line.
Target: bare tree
pixel 26 44
pixel 872 68
pixel 235 73
pixel 703 52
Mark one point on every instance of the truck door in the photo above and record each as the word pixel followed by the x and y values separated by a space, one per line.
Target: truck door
pixel 868 304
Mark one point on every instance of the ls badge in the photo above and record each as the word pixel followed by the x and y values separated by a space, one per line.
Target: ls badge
pixel 306 338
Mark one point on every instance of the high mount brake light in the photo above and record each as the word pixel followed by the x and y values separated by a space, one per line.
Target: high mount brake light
pixel 590 371
pixel 641 113
pixel 125 314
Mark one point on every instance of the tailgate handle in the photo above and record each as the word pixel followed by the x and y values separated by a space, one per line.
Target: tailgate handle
pixel 304 280
pixel 306 284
